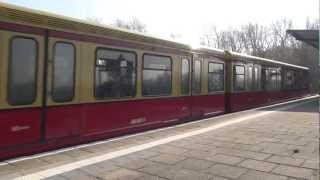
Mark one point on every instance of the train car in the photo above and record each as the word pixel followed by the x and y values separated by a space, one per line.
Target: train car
pixel 253 81
pixel 258 81
pixel 64 81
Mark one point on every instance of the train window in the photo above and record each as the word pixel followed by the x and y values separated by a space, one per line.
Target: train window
pixel 115 73
pixel 215 77
pixel 156 75
pixel 63 72
pixel 185 76
pixel 22 71
pixel 273 79
pixel 239 78
pixel 272 83
pixel 196 82
pixel 289 79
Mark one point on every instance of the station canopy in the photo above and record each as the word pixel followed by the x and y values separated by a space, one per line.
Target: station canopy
pixel 310 37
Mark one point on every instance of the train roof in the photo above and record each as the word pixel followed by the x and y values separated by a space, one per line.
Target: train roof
pixel 255 58
pixel 241 56
pixel 43 19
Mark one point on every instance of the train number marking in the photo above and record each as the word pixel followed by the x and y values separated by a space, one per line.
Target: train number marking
pixel 19 128
pixel 138 120
pixel 184 108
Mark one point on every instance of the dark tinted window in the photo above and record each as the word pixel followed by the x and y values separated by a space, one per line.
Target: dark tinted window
pixel 239 78
pixel 157 62
pixel 156 75
pixel 216 68
pixel 115 74
pixel 63 72
pixel 185 76
pixel 22 71
pixel 216 77
pixel 196 82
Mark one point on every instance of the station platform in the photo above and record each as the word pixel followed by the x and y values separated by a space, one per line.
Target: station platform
pixel 279 142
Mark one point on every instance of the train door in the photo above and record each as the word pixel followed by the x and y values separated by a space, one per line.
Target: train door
pixel 196 87
pixel 63 115
pixel 228 85
pixel 21 81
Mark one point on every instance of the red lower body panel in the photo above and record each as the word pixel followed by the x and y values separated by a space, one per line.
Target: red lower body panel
pixel 20 130
pixel 247 100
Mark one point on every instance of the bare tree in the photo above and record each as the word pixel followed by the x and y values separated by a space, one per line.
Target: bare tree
pixel 313 25
pixel 230 39
pixel 279 29
pixel 270 41
pixel 250 38
pixel 256 39
pixel 210 38
pixel 133 25
pixel 95 20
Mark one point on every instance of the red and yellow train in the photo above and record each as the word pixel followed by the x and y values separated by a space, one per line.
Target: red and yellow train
pixel 66 82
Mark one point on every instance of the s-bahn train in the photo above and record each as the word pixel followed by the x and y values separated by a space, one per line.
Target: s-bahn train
pixel 65 82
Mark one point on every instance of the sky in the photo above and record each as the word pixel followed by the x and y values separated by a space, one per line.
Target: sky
pixel 189 19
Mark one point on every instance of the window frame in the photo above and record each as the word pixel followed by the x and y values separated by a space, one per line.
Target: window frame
pixel 189 76
pixel 74 71
pixel 224 77
pixel 234 74
pixel 135 71
pixel 10 70
pixel 142 74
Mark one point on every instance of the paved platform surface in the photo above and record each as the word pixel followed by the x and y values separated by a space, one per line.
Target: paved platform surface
pixel 280 143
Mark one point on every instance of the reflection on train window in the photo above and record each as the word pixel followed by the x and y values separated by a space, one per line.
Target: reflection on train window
pixel 257 77
pixel 239 78
pixel 115 73
pixel 196 82
pixel 22 71
pixel 185 76
pixel 63 72
pixel 272 83
pixel 264 78
pixel 250 77
pixel 156 75
pixel 216 77
pixel 279 79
